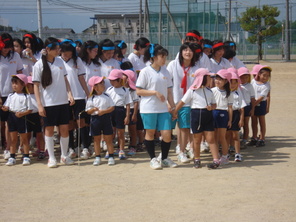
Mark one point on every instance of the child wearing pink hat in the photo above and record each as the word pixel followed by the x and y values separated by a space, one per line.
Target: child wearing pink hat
pixel 202 102
pixel 19 106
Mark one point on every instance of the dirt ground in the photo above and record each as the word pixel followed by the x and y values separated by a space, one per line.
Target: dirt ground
pixel 261 188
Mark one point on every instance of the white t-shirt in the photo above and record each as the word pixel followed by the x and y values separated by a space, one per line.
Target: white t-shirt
pixel 56 93
pixel 106 67
pixel 19 102
pixel 224 64
pixel 221 100
pixel 238 100
pixel 34 103
pixel 138 62
pixel 134 96
pixel 160 81
pixel 73 72
pixel 28 66
pixel 90 71
pixel 120 96
pixel 203 62
pixel 197 100
pixel 8 66
pixel 261 90
pixel 102 102
pixel 248 92
pixel 237 63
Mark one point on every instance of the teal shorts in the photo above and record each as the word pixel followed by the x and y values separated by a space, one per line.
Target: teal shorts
pixel 184 117
pixel 157 121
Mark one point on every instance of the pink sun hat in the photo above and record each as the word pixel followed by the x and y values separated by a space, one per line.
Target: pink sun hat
pixel 199 74
pixel 224 74
pixel 30 79
pixel 243 71
pixel 22 77
pixel 115 74
pixel 232 69
pixel 256 69
pixel 131 78
pixel 93 81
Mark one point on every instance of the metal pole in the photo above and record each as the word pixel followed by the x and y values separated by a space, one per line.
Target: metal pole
pixel 39 18
pixel 229 21
pixel 287 47
pixel 140 19
pixel 210 8
pixel 160 23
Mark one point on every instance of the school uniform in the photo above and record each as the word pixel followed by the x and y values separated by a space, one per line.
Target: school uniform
pixel 237 63
pixel 27 66
pixel 203 62
pixel 90 71
pixel 261 90
pixel 135 98
pixel 34 121
pixel 106 67
pixel 223 64
pixel 248 94
pixel 238 104
pixel 138 62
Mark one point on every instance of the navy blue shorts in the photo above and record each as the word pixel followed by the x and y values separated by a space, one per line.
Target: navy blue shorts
pixel 235 121
pixel 99 124
pixel 140 125
pixel 131 115
pixel 201 120
pixel 220 118
pixel 56 115
pixel 260 109
pixel 247 110
pixel 34 123
pixel 4 114
pixel 77 108
pixel 118 116
pixel 16 124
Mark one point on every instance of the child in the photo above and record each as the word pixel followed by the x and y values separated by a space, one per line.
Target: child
pixel 27 63
pixel 218 62
pixel 223 112
pixel 207 46
pixel 100 106
pixel 19 104
pixel 202 102
pixel 120 51
pixel 120 116
pixel 154 85
pixel 235 62
pixel 31 49
pixel 262 95
pixel 52 91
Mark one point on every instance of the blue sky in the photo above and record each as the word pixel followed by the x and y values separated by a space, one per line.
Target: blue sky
pixel 75 14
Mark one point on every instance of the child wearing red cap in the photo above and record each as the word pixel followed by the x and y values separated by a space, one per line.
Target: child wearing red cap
pixel 19 106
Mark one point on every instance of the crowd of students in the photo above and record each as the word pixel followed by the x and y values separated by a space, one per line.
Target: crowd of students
pixel 93 89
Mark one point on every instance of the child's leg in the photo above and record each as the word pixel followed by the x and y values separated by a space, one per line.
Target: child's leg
pixel 121 140
pixel 165 143
pixel 108 139
pixel 49 141
pixel 132 130
pixel 246 128
pixel 13 142
pixel 262 124
pixel 149 142
pixel 222 139
pixel 210 138
pixel 184 138
pixel 26 146
pixel 235 137
pixel 197 137
pixel 40 141
pixel 97 144
pixel 254 126
pixel 7 135
pixel 64 139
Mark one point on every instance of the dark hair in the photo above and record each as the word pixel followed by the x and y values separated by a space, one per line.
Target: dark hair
pixel 229 53
pixel 207 42
pixel 33 41
pixel 197 51
pixel 83 54
pixel 226 86
pixel 15 79
pixel 141 43
pixel 214 50
pixel 8 42
pixel 184 46
pixel 264 69
pixel 204 80
pixel 20 42
pixel 40 44
pixel 69 46
pixel 191 38
pixel 104 43
pixel 118 49
pixel 78 43
pixel 230 44
pixel 126 65
pixel 46 77
pixel 158 50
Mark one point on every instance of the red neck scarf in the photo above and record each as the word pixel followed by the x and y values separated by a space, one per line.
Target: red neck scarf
pixel 184 80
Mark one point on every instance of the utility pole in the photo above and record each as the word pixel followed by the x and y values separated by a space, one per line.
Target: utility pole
pixel 287 39
pixel 39 18
pixel 160 23
pixel 229 21
pixel 140 20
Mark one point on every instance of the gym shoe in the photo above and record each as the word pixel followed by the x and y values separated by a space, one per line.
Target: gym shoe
pixel 168 163
pixel 85 154
pixel 116 152
pixel 190 154
pixel 260 143
pixel 178 149
pixel 26 161
pixel 223 160
pixel 111 161
pixel 140 147
pixel 238 157
pixel 252 142
pixel 196 164
pixel 213 165
pixel 182 157
pixel 131 152
pixel 154 164
pixel 41 155
pixel 72 153
pixel 231 149
pixel 97 161
pixel 107 155
pixel 104 145
pixel 11 161
pixel 20 150
pixel 52 163
pixel 121 155
pixel 203 147
pixel 6 154
pixel 66 160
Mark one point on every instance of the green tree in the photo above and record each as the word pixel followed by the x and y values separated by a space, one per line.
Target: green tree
pixel 261 23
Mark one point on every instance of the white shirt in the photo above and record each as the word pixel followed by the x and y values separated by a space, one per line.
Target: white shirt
pixel 224 64
pixel 203 62
pixel 73 72
pixel 238 100
pixel 56 93
pixel 8 66
pixel 102 102
pixel 221 100
pixel 120 96
pixel 28 66
pixel 34 103
pixel 248 92
pixel 90 71
pixel 261 90
pixel 160 81
pixel 237 63
pixel 135 98
pixel 199 98
pixel 18 102
pixel 138 62
pixel 106 68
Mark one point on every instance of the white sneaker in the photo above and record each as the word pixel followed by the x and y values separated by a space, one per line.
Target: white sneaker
pixel 66 160
pixel 85 154
pixel 72 153
pixel 11 161
pixel 182 157
pixel 190 154
pixel 52 163
pixel 238 157
pixel 178 149
pixel 188 146
pixel 223 160
pixel 26 161
pixel 6 154
pixel 169 163
pixel 97 161
pixel 104 145
pixel 111 161
pixel 204 147
pixel 154 164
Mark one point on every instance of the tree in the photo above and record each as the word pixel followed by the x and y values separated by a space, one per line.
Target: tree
pixel 261 23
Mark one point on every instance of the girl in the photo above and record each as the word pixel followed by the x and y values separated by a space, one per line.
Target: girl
pixel 75 75
pixel 31 48
pixel 27 63
pixel 218 62
pixel 120 116
pixel 120 51
pixel 52 91
pixel 249 97
pixel 223 112
pixel 100 106
pixel 262 95
pixel 202 103
pixel 78 43
pixel 207 46
pixel 19 104
pixel 154 85
pixel 235 62
pixel 10 63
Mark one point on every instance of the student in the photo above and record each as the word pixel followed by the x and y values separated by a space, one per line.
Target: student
pixel 99 106
pixel 75 75
pixel 235 62
pixel 154 85
pixel 207 46
pixel 218 62
pixel 27 63
pixel 202 102
pixel 121 115
pixel 120 51
pixel 78 43
pixel 262 96
pixel 52 91
pixel 19 106
pixel 223 112
pixel 10 64
pixel 31 48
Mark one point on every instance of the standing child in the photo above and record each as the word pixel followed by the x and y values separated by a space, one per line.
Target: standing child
pixel 120 51
pixel 100 106
pixel 218 62
pixel 19 104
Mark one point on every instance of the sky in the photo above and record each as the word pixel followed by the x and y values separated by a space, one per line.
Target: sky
pixel 76 14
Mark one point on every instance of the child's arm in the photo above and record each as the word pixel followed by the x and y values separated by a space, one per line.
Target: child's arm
pixel 253 106
pixel 68 88
pixel 5 108
pixel 136 108
pixel 21 114
pixel 230 112
pixel 127 115
pixel 242 116
pixel 178 107
pixel 83 85
pixel 145 92
pixel 171 100
pixel 268 103
pixel 105 111
pixel 92 110
pixel 258 100
pixel 41 109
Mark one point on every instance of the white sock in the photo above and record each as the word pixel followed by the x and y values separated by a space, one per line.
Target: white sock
pixel 49 144
pixel 64 141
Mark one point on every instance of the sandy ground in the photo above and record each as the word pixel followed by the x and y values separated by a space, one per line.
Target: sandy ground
pixel 262 188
